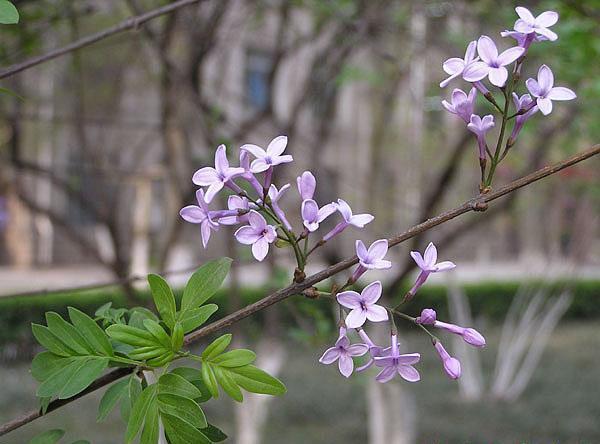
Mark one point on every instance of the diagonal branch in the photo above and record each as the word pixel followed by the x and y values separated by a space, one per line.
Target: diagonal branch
pixel 479 203
pixel 132 23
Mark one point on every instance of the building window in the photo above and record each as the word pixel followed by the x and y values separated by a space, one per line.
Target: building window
pixel 258 68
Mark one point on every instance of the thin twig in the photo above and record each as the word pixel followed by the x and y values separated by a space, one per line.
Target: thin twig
pixel 479 203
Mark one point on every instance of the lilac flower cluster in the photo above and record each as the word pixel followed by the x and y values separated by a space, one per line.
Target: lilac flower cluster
pixel 483 60
pixel 259 210
pixel 357 308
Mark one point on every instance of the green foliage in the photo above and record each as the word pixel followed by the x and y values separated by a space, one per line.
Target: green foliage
pixel 52 437
pixel 8 13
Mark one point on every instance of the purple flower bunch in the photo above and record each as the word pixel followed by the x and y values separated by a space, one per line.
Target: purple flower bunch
pixel 255 202
pixel 358 308
pixel 482 61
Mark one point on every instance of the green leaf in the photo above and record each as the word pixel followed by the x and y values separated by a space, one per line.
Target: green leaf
pixel 77 374
pixel 204 283
pixel 163 298
pixel 172 383
pixel 49 437
pixel 177 337
pixel 134 390
pixel 228 383
pixel 131 336
pixel 144 353
pixel 49 340
pixel 151 426
pixel 255 380
pixel 235 358
pixel 111 397
pixel 9 92
pixel 181 432
pixel 139 411
pixel 45 364
pixel 214 433
pixel 158 332
pixel 216 347
pixel 183 408
pixel 208 376
pixel 68 334
pixel 92 333
pixel 138 314
pixel 194 376
pixel 161 361
pixel 45 403
pixel 195 317
pixel 8 13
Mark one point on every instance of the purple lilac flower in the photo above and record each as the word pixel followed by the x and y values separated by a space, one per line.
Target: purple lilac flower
pixel 274 196
pixel 492 64
pixel 200 215
pixel 357 220
pixel 219 176
pixel 306 185
pixel 258 234
pixel 455 66
pixel 343 352
pixel 395 363
pixel 267 159
pixel 462 104
pixel 312 215
pixel 374 350
pixel 371 259
pixel 363 305
pixel 527 107
pixel 451 365
pixel 528 24
pixel 427 317
pixel 480 127
pixel 249 175
pixel 469 335
pixel 241 206
pixel 427 264
pixel 545 92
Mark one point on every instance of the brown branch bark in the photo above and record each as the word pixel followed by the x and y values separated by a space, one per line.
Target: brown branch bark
pixel 479 203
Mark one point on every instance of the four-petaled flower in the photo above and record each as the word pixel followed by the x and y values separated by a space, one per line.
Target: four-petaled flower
pixel 343 352
pixel 199 214
pixel 480 127
pixel 462 104
pixel 306 185
pixel 528 24
pixel 241 206
pixel 371 259
pixel 428 264
pixel 395 363
pixel 272 156
pixel 357 220
pixel 492 64
pixel 545 92
pixel 455 66
pixel 312 215
pixel 363 305
pixel 258 234
pixel 219 176
pixel 526 108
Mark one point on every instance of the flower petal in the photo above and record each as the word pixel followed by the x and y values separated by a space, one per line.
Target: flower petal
pixel 356 318
pixel 360 220
pixel 378 249
pixel 221 162
pixel 546 19
pixel 561 93
pixel 525 14
pixel 246 235
pixel 212 191
pixel 476 71
pixel 349 299
pixel 278 160
pixel 409 373
pixel 445 82
pixel 386 374
pixel 255 150
pixel 377 313
pixel 550 35
pixel 409 358
pixel 325 211
pixel 545 79
pixel 257 221
pixel 306 185
pixel 534 87
pixel 430 255
pixel 346 365
pixel 545 105
pixel 260 248
pixel 371 293
pixel 277 146
pixel 498 76
pixel 523 27
pixel 205 232
pixel 259 165
pixel 309 210
pixel 418 259
pixel 205 176
pixel 510 55
pixel 357 349
pixel 445 265
pixel 453 66
pixel 486 48
pixel 470 52
pixel 192 214
pixel 330 355
pixel 361 251
pixel 344 209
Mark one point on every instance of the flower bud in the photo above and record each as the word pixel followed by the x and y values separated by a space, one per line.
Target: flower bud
pixel 451 365
pixel 473 337
pixel 427 317
pixel 306 185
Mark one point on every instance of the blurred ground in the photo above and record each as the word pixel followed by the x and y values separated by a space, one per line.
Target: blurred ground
pixel 562 403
